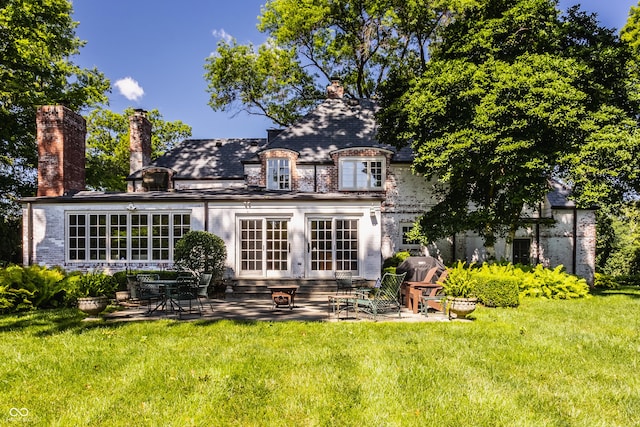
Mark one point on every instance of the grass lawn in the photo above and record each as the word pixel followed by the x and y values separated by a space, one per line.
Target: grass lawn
pixel 547 363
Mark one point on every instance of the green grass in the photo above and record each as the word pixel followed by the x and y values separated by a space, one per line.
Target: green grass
pixel 546 363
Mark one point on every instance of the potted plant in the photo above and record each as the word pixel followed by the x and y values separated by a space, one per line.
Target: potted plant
pixel 460 290
pixel 93 290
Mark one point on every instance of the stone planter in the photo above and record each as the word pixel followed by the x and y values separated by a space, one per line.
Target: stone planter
pixel 123 296
pixel 461 307
pixel 93 305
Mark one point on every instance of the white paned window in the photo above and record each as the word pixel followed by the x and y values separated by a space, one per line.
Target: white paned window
pixel 362 173
pixel 124 236
pixel 405 242
pixel 278 174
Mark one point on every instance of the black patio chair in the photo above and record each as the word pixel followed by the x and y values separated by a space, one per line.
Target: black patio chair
pixel 186 290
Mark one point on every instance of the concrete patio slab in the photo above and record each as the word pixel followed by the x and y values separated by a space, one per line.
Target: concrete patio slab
pixel 316 310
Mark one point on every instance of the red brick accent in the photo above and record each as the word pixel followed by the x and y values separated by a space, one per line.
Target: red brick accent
pixel 61 150
pixel 139 141
pixel 280 154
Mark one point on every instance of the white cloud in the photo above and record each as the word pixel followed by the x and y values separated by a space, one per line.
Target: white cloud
pixel 129 88
pixel 222 34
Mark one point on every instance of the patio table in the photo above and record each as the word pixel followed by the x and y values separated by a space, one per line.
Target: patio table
pixel 339 303
pixel 167 289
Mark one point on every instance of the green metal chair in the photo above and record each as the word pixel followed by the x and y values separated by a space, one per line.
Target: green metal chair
pixel 186 290
pixel 383 298
pixel 148 292
pixel 344 281
pixel 203 289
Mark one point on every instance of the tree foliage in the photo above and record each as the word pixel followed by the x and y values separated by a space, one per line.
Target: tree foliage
pixel 108 145
pixel 37 42
pixel 201 252
pixel 311 41
pixel 621 228
pixel 514 95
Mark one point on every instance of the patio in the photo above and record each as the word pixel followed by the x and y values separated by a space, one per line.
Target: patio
pixel 310 310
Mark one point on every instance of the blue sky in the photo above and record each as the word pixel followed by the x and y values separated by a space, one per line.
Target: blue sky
pixel 154 51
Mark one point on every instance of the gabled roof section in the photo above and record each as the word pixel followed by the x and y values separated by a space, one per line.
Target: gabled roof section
pixel 559 195
pixel 334 125
pixel 210 158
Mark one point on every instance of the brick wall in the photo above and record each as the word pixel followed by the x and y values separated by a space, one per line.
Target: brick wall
pixel 61 150
pixel 139 144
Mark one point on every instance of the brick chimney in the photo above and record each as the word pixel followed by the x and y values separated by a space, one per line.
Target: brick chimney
pixel 139 142
pixel 61 137
pixel 335 89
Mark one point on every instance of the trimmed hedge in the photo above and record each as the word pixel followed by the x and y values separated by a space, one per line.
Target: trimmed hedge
pixel 497 290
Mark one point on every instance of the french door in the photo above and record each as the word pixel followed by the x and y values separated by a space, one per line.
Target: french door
pixel 264 247
pixel 332 245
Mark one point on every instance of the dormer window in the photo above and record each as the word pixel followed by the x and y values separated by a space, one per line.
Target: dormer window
pixel 278 174
pixel 359 173
pixel 157 179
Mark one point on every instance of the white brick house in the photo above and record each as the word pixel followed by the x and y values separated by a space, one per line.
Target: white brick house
pixel 320 196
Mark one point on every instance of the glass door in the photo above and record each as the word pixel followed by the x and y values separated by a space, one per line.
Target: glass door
pixel 264 247
pixel 332 245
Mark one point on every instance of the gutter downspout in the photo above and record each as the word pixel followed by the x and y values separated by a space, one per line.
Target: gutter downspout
pixel 29 247
pixel 206 215
pixel 538 233
pixel 575 239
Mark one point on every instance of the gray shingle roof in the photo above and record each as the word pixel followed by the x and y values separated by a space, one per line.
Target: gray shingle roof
pixel 559 195
pixel 210 158
pixel 335 124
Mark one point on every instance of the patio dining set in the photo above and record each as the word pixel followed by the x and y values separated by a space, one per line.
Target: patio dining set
pixel 171 295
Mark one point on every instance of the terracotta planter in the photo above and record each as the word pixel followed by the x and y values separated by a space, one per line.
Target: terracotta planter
pixel 92 305
pixel 461 306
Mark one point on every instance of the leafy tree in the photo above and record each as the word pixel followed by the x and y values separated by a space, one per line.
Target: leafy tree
pixel 108 145
pixel 311 41
pixel 514 95
pixel 623 251
pixel 630 33
pixel 37 42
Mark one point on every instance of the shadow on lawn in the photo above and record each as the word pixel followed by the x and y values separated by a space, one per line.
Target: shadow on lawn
pixel 50 322
pixel 630 291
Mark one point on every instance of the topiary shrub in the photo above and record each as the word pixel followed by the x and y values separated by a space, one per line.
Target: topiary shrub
pixel 199 252
pixel 494 290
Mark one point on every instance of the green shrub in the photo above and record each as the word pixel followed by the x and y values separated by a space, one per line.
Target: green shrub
pixel 553 283
pixel 605 281
pixel 395 260
pixel 460 282
pixel 121 279
pixel 390 270
pixel 200 252
pixel 495 290
pixel 26 288
pixel 92 284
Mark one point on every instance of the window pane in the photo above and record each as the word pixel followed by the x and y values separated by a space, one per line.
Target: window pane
pixel 278 174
